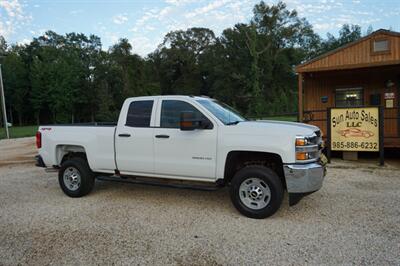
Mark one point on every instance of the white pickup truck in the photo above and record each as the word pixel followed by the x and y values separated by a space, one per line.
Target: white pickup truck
pixel 189 138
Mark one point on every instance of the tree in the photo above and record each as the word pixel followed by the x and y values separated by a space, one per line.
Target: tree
pixel 348 33
pixel 230 68
pixel 251 42
pixel 121 56
pixel 16 82
pixel 69 78
pixel 179 60
pixel 40 90
pixel 263 54
pixel 58 75
pixel 3 46
pixel 287 37
pixel 106 87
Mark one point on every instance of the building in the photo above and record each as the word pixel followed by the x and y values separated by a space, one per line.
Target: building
pixel 362 73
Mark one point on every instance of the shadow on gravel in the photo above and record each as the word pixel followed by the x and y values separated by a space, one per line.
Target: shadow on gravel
pixel 183 198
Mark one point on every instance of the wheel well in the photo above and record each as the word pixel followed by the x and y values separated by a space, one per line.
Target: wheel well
pixel 66 152
pixel 71 155
pixel 236 160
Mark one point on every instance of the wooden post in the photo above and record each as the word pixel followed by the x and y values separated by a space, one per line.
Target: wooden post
pixel 328 139
pixel 381 137
pixel 300 77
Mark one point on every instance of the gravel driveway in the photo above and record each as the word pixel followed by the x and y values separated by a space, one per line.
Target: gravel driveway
pixel 354 219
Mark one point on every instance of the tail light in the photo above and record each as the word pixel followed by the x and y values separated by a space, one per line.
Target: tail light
pixel 38 139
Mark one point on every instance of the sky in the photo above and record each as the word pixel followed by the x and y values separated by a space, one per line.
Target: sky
pixel 144 23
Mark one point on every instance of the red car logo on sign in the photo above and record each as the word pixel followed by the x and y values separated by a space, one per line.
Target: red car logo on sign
pixel 355 132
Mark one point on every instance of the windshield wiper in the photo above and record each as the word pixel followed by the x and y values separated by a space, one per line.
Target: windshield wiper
pixel 233 123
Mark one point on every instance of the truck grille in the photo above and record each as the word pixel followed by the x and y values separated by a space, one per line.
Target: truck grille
pixel 317 140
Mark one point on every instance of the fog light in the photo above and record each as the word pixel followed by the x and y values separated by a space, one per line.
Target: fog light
pixel 301 156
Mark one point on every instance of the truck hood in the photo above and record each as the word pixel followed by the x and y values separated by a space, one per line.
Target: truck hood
pixel 274 127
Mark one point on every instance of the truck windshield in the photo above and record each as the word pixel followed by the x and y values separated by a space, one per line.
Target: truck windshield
pixel 222 111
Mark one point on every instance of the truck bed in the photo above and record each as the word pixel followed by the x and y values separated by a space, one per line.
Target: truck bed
pixel 96 139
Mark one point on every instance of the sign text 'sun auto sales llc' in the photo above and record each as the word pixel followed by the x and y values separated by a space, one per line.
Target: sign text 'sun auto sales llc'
pixel 355 129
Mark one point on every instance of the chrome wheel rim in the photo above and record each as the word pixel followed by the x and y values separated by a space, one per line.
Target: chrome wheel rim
pixel 254 193
pixel 72 178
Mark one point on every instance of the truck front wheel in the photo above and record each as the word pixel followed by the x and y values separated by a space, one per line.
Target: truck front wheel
pixel 75 177
pixel 256 191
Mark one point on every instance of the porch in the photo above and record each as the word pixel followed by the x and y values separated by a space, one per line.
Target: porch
pixel 374 86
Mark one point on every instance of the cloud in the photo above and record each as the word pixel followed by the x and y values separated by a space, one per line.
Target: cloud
pixel 76 12
pixel 120 19
pixel 142 45
pixel 180 2
pixel 25 41
pixel 149 30
pixel 207 8
pixel 150 15
pixel 164 12
pixel 12 17
pixel 326 26
pixel 110 37
pixel 38 32
pixel 329 15
pixel 13 8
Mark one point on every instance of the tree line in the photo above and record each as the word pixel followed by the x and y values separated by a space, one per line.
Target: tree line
pixel 70 78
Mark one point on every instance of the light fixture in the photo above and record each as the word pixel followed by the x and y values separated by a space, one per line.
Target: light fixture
pixel 389 83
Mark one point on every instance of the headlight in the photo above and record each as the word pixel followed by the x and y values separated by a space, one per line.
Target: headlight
pixel 301 141
pixel 306 148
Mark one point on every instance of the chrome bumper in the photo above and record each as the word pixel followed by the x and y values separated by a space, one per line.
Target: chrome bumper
pixel 304 178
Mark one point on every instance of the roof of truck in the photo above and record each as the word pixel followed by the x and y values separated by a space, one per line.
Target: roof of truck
pixel 171 96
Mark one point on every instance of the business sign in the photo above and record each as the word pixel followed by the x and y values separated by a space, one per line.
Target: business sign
pixel 389 95
pixel 354 129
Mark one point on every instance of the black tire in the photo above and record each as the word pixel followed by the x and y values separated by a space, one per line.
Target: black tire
pixel 86 175
pixel 269 178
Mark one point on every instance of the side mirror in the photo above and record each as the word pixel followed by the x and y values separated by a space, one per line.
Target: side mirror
pixel 188 121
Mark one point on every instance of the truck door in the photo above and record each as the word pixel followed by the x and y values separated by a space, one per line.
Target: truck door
pixel 134 138
pixel 188 154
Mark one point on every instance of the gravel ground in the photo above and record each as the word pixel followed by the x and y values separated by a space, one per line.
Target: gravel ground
pixel 353 219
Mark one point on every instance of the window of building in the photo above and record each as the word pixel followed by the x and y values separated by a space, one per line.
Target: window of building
pixel 171 113
pixel 375 99
pixel 380 46
pixel 349 97
pixel 139 114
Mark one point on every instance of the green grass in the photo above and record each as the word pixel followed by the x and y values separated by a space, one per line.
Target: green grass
pixel 282 118
pixel 19 132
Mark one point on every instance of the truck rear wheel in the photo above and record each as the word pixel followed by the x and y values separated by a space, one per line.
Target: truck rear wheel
pixel 256 191
pixel 75 177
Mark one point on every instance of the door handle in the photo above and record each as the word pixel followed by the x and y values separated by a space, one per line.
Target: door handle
pixel 162 136
pixel 125 135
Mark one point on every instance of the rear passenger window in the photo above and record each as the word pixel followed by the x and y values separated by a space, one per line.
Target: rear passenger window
pixel 139 114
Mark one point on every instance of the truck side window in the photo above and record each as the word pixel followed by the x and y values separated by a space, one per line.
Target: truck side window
pixel 171 113
pixel 139 114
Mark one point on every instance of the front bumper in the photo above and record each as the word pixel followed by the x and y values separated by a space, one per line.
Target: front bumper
pixel 304 178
